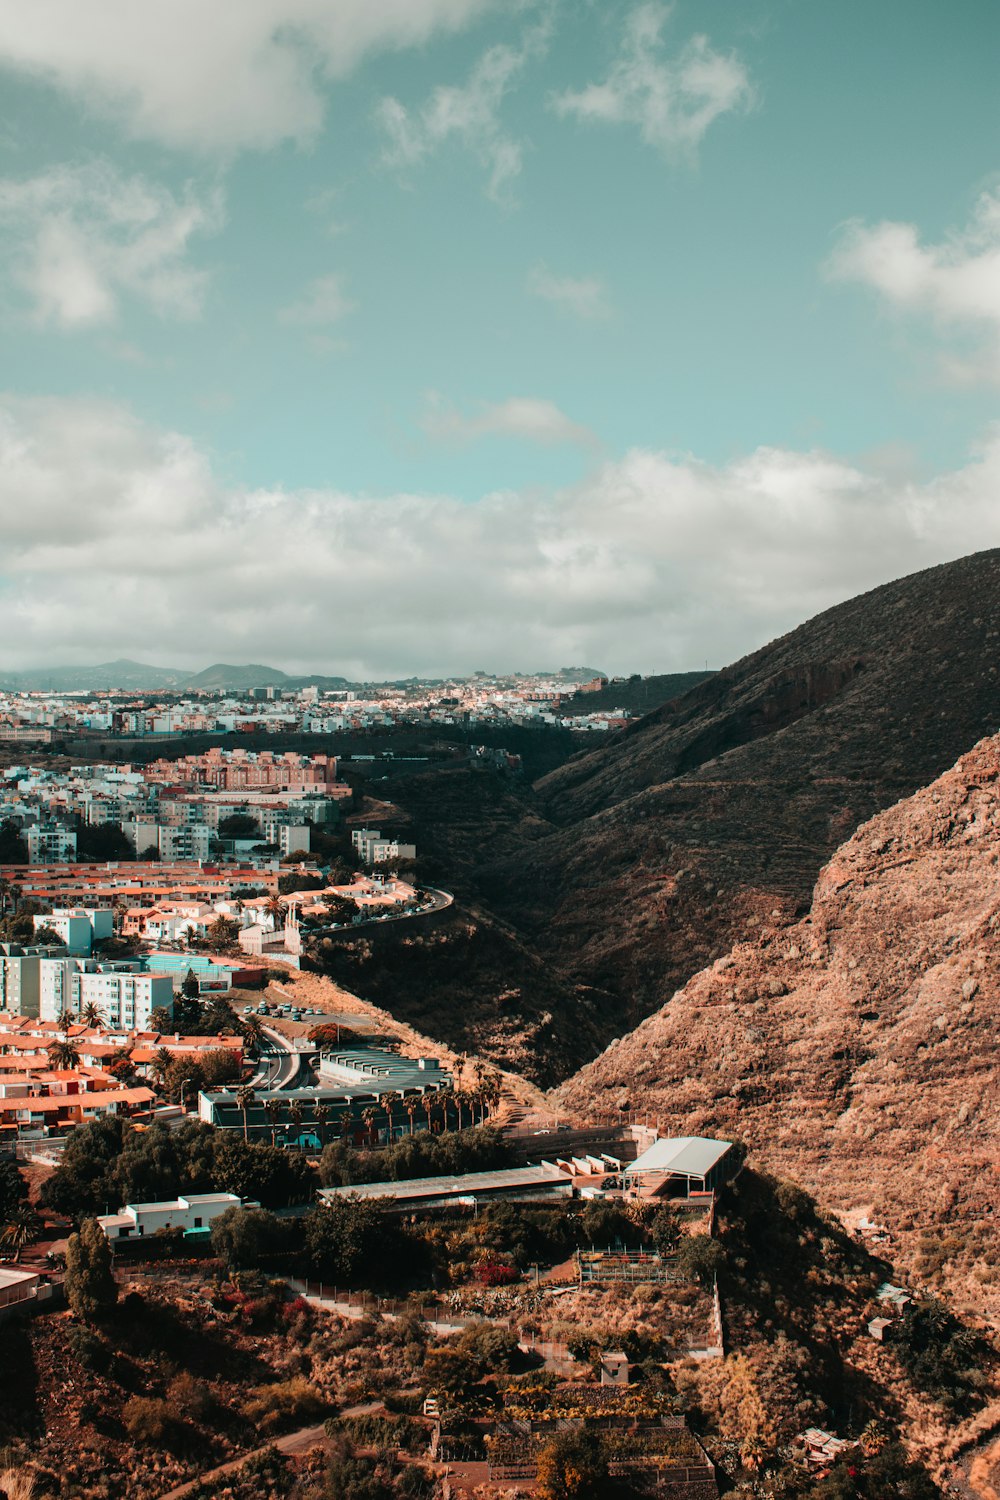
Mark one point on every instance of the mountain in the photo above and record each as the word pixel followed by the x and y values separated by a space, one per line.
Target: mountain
pixel 855 1049
pixel 222 677
pixel 123 674
pixel 647 858
pixel 134 676
pixel 637 695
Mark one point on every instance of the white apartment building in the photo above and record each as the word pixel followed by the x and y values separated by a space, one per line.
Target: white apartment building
pixel 124 998
pixel 19 984
pixel 78 927
pixel 373 849
pixel 187 842
pixel 50 843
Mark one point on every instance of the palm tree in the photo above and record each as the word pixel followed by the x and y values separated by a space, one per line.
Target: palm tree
pixel 244 1098
pixel 347 1124
pixel 429 1100
pixel 459 1096
pixel 272 1109
pixel 93 1014
pixel 252 1032
pixel 63 1054
pixel 297 1114
pixel 161 1064
pixel 21 1228
pixel 368 1117
pixel 275 908
pixel 443 1098
pixel 411 1104
pixel 388 1101
pixel 65 1020
pixel 321 1113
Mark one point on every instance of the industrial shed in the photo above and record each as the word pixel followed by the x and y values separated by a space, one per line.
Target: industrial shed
pixel 679 1166
pixel 518 1183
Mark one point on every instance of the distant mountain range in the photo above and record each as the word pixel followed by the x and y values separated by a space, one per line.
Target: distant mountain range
pixel 140 677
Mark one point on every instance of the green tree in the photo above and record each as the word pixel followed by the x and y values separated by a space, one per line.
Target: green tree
pixel 13 1188
pixel 90 1286
pixel 573 1466
pixel 244 1237
pixel 191 989
pixel 13 849
pixel 700 1258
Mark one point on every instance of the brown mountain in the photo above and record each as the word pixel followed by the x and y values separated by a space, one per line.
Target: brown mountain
pixel 856 1049
pixel 653 854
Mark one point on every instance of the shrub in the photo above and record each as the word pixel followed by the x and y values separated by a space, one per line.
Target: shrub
pixel 190 1398
pixel 147 1419
pixel 495 1273
pixel 274 1406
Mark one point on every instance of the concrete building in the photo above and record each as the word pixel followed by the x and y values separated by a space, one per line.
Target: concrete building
pixel 50 843
pixel 78 927
pixel 124 996
pixel 195 1212
pixel 373 849
pixel 352 1082
pixel 189 841
pixel 20 983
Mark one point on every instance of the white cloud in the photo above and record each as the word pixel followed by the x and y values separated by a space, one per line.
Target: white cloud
pixel 323 301
pixel 83 237
pixel 584 296
pixel 527 417
pixel 119 538
pixel 672 100
pixel 956 282
pixel 223 77
pixel 469 115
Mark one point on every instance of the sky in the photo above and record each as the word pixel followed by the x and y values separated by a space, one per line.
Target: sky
pixel 392 337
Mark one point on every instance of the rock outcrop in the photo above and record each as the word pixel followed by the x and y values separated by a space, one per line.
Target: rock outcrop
pixel 856 1050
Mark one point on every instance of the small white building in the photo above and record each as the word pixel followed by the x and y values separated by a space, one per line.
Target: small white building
pixel 197 1211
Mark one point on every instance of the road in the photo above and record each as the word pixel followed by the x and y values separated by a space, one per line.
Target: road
pixel 284 1062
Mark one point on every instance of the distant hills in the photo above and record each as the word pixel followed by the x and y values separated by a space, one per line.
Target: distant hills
pixel 136 676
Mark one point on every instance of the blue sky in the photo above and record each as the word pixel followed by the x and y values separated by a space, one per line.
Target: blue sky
pixel 421 335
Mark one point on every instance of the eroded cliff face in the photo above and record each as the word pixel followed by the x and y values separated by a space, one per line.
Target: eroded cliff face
pixel 858 1050
pixel 652 855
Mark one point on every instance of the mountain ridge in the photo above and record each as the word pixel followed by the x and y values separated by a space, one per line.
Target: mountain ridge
pixel 854 1049
pixel 655 852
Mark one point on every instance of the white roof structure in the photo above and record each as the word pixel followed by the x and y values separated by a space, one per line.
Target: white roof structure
pixel 686 1155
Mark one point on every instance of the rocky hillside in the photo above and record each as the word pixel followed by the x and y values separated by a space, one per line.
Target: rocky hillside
pixel 652 855
pixel 855 1049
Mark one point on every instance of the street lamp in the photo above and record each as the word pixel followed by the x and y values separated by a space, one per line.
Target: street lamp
pixel 184 1083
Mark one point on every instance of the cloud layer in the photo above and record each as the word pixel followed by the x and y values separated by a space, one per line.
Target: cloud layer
pixel 119 539
pixel 672 100
pixel 529 417
pixel 956 282
pixel 218 78
pixel 80 238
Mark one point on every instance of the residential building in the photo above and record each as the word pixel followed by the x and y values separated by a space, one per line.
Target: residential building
pixel 195 1212
pixel 50 843
pixel 78 927
pixel 123 996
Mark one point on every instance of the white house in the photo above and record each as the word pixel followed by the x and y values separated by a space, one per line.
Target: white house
pixel 124 998
pixel 196 1211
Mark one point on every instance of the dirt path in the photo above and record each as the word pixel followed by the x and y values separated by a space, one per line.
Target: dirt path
pixel 294 1444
